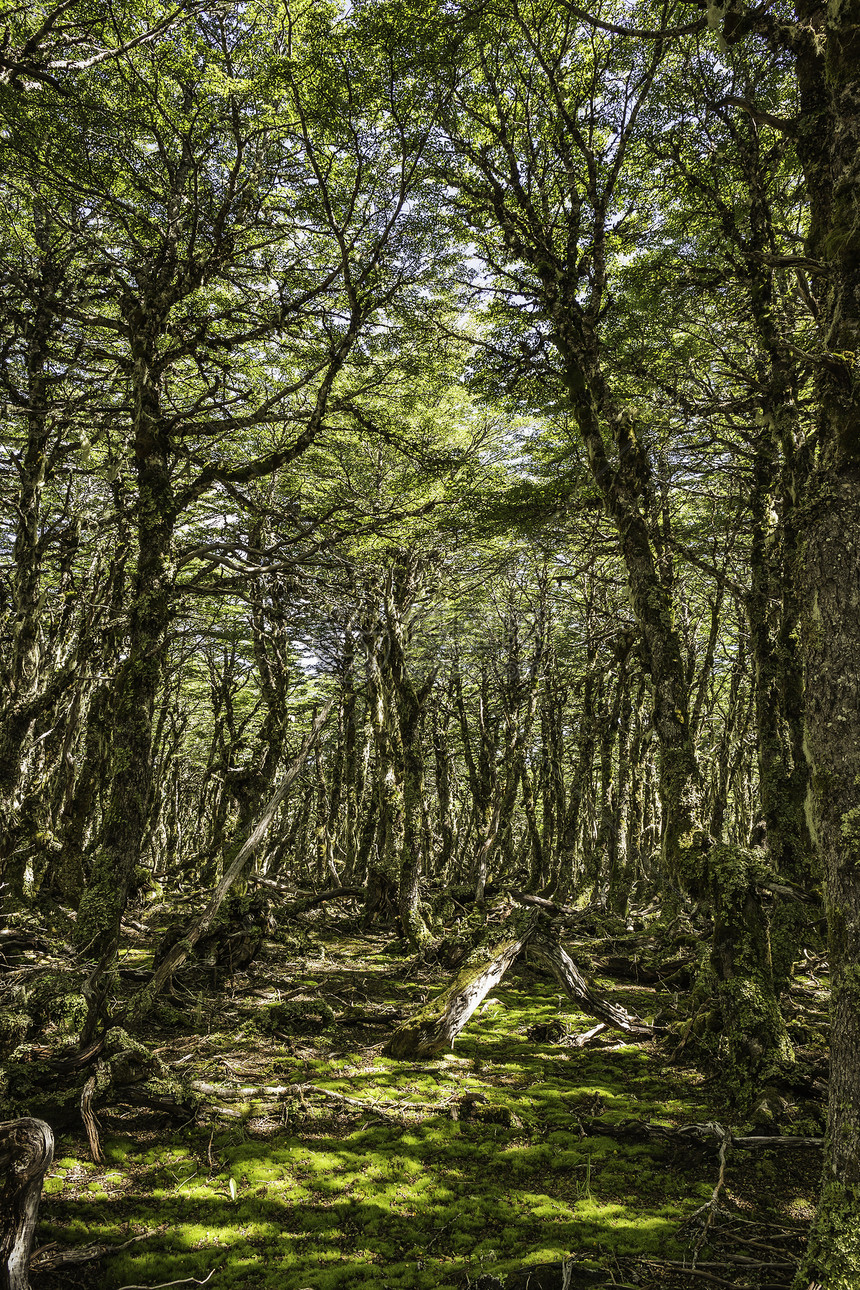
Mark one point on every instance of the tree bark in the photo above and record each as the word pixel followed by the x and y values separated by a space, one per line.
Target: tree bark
pixel 832 648
pixel 139 677
pixel 26 1152
pixel 552 956
pixel 435 1028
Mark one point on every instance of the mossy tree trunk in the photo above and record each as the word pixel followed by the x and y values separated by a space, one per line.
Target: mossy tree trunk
pixel 686 846
pixel 410 702
pixel 618 856
pixel 352 786
pixel 384 859
pixel 444 789
pixel 831 639
pixel 783 773
pixel 567 872
pixel 638 787
pixel 758 1046
pixel 780 469
pixel 829 145
pixel 832 647
pixel 32 682
pixel 139 677
pixel 552 717
pixel 397 709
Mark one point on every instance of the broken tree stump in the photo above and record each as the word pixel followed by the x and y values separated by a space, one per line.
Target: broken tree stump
pixel 434 1029
pixel 550 955
pixel 26 1152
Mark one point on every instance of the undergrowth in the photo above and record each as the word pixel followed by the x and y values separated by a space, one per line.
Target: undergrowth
pixel 329 1195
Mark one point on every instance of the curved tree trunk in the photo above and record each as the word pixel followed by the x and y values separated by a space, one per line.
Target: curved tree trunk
pixel 26 1152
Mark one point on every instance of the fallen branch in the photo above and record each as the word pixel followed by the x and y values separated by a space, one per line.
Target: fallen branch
pixel 278 1093
pixel 304 903
pixel 162 1285
pixel 704 1134
pixel 691 1270
pixel 709 1209
pixel 551 956
pixel 540 902
pixel 751 1143
pixel 43 1260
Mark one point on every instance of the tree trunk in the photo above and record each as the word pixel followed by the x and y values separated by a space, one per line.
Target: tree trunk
pixel 569 831
pixel 782 773
pixel 550 955
pixel 828 145
pixel 139 677
pixel 832 647
pixel 23 702
pixel 26 1152
pixel 435 1028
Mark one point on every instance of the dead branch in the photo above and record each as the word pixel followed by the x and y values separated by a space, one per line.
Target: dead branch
pixel 551 956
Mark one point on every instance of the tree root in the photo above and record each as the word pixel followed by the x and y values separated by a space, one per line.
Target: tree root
pixel 128 1069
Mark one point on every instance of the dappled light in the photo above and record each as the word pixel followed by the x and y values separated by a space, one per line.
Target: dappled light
pixel 429 645
pixel 503 1154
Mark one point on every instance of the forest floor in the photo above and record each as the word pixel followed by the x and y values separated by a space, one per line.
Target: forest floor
pixel 519 1160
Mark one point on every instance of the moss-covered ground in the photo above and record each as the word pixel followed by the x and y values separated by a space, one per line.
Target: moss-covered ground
pixel 508 1153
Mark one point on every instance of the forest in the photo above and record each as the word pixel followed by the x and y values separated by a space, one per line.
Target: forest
pixel 430 644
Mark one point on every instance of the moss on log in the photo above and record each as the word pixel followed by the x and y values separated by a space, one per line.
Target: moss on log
pixel 434 1029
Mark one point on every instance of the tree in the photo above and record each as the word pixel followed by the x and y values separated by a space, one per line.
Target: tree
pixel 237 245
pixel 544 151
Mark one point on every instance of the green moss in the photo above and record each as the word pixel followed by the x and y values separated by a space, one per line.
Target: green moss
pixel 382 1196
pixel 297 1017
pixel 833 1255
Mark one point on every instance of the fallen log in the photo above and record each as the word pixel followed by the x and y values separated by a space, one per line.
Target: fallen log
pixel 703 1135
pixel 305 903
pixel 551 956
pixel 52 1256
pixel 256 1095
pixel 434 1029
pixel 26 1152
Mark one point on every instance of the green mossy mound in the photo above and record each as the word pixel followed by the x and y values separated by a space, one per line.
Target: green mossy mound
pixel 297 1017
